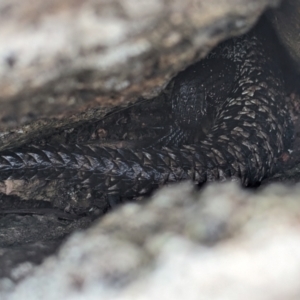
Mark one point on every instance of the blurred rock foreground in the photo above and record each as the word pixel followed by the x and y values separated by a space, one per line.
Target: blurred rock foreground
pixel 222 243
pixel 66 62
pixel 72 60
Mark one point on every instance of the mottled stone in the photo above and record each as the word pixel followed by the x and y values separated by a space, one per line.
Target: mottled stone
pixel 286 21
pixel 222 243
pixel 59 59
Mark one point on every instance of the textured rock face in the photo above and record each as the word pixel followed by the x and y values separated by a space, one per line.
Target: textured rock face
pixel 51 40
pixel 222 243
pixel 57 59
pixel 287 23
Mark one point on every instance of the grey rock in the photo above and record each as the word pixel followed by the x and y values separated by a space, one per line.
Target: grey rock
pixel 57 60
pixel 286 21
pixel 222 243
pixel 114 40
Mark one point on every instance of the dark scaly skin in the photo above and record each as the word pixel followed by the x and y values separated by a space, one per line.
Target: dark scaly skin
pixel 196 94
pixel 251 129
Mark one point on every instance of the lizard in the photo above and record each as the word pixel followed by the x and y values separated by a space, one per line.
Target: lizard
pixel 230 121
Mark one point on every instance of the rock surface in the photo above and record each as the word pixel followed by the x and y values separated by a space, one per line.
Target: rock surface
pixel 286 20
pixel 222 243
pixel 59 59
pixel 52 41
